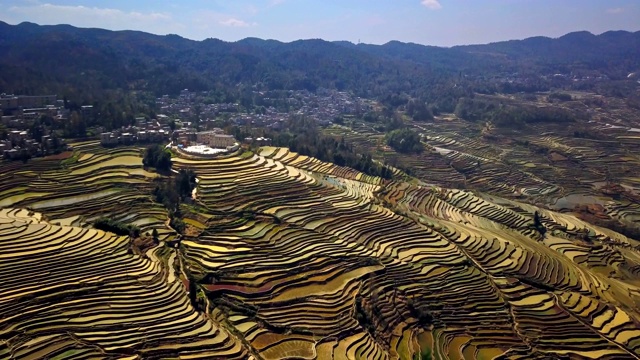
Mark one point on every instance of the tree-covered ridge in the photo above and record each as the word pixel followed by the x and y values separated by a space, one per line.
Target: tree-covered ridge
pixel 81 62
pixel 510 115
pixel 302 136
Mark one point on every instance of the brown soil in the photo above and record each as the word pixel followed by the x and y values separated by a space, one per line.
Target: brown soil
pixel 590 211
pixel 191 231
pixel 141 244
pixel 61 156
pixel 554 156
pixel 617 192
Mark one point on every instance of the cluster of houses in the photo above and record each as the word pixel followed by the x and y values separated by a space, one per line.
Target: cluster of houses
pixel 134 134
pixel 323 106
pixel 10 101
pixel 19 144
pixel 184 106
pixel 20 111
pixel 18 114
pixel 153 131
pixel 272 119
pixel 145 131
pixel 260 141
pixel 216 139
pixel 159 131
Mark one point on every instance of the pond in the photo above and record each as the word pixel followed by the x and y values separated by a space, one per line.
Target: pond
pixel 442 151
pixel 570 201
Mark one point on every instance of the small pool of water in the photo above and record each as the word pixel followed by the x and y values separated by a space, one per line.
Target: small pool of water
pixel 570 201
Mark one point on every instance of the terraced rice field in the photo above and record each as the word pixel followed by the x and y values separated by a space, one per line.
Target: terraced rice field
pixel 76 293
pixel 307 260
pixel 95 183
pixel 542 164
pixel 568 168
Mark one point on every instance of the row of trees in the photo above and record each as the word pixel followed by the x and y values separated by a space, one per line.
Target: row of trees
pixel 116 227
pixel 172 192
pixel 509 115
pixel 302 136
pixel 419 111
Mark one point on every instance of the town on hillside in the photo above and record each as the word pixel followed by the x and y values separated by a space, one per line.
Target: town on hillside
pixel 37 125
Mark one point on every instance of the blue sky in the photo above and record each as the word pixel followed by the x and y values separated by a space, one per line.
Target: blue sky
pixel 430 22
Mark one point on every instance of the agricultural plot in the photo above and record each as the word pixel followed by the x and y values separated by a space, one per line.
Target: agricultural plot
pixel 76 293
pixel 322 262
pixel 543 164
pixel 303 259
pixel 95 182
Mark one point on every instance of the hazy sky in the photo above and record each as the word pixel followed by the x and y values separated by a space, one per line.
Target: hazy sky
pixel 430 22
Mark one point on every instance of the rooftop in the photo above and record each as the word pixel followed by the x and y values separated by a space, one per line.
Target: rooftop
pixel 204 150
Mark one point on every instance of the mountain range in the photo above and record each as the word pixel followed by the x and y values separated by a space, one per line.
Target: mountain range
pixel 66 59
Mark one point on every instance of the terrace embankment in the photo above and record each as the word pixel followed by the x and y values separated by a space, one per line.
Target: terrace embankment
pixel 556 166
pixel 69 292
pixel 318 257
pixel 297 258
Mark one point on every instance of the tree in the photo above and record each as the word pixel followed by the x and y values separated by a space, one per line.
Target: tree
pixel 197 110
pixel 405 141
pixel 185 182
pixel 116 227
pixel 177 224
pixel 164 161
pixel 55 143
pixel 158 157
pixel 154 234
pixel 537 223
pixel 36 130
pixel 25 156
pixel 77 126
pixel 419 111
pixel 536 219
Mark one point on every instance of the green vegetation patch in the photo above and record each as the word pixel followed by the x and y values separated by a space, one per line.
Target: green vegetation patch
pixel 116 227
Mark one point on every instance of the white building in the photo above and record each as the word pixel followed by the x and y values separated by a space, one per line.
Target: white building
pixel 108 138
pixel 215 139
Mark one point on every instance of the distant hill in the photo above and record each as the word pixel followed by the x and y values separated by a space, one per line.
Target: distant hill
pixel 66 59
pixel 613 52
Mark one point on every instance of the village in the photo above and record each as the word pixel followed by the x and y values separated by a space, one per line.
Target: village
pixel 189 121
pixel 323 106
pixel 20 139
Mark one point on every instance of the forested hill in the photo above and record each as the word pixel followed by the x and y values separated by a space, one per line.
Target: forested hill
pixel 75 61
pixel 614 53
